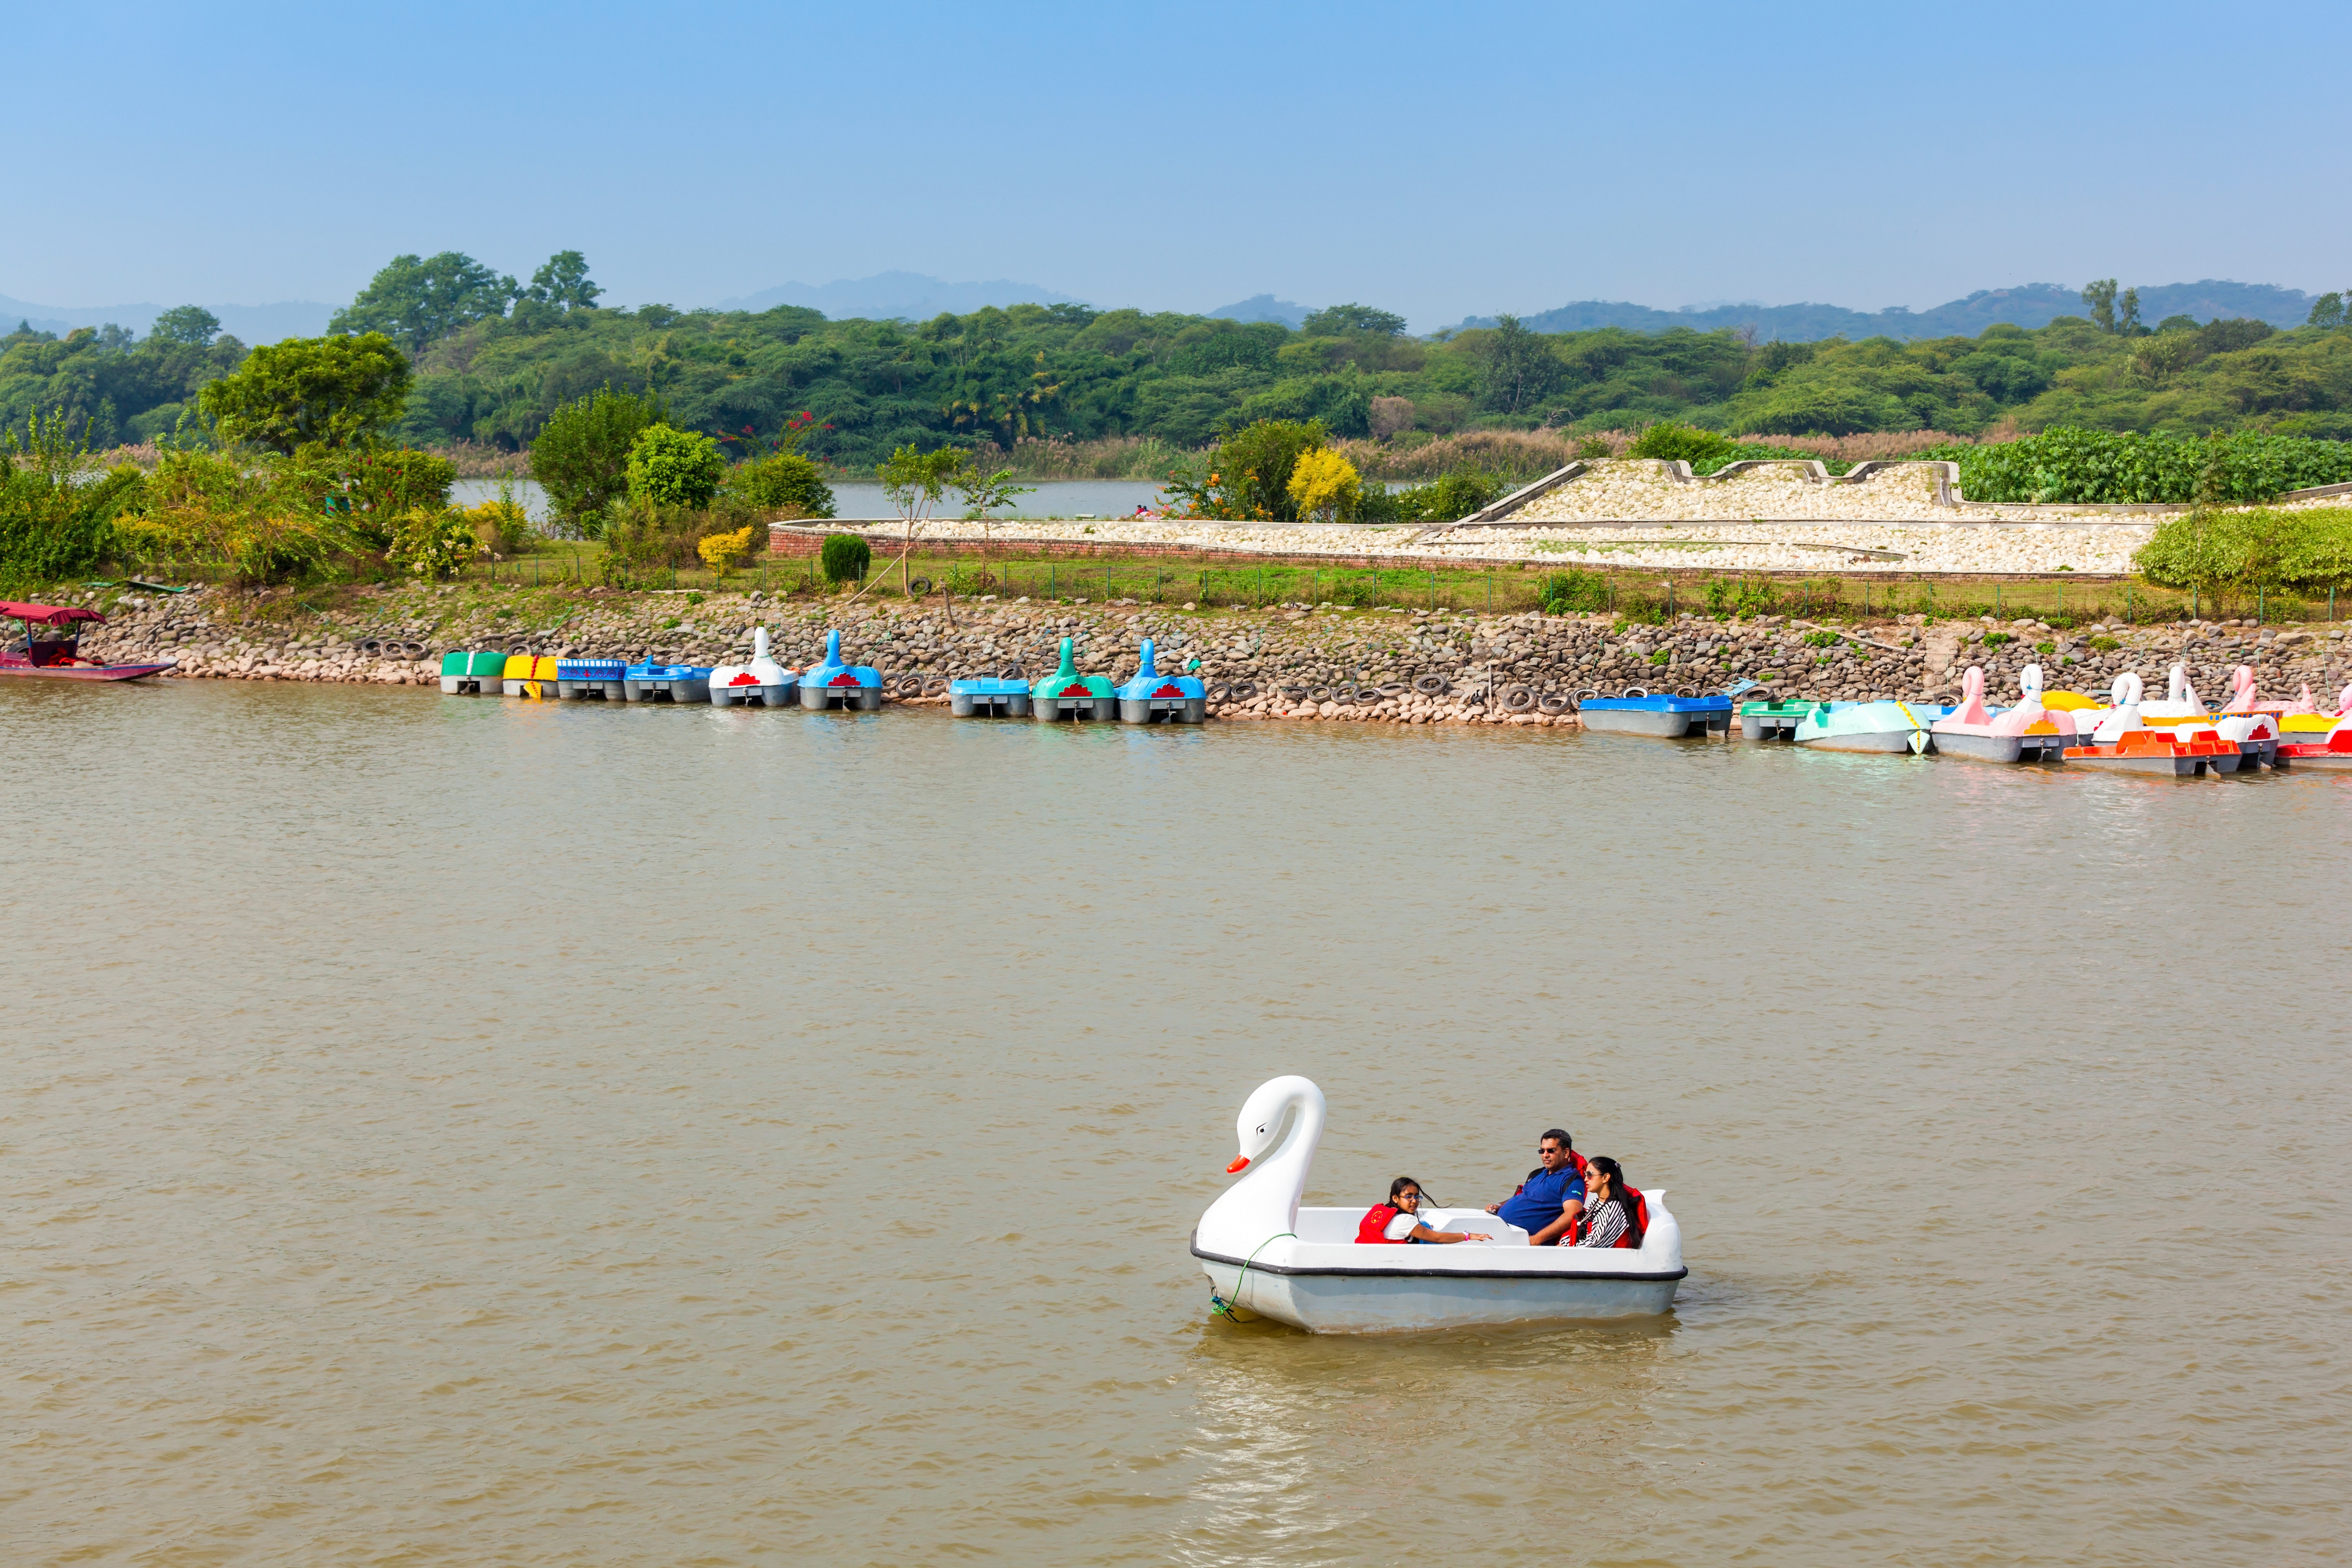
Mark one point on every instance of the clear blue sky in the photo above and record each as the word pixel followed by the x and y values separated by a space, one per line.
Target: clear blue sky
pixel 1435 159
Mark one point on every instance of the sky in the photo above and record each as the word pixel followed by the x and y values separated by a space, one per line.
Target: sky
pixel 1435 159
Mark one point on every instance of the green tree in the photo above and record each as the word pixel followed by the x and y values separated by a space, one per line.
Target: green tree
pixel 1520 372
pixel 414 302
pixel 2099 295
pixel 564 283
pixel 582 455
pixel 190 324
pixel 333 391
pixel 914 481
pixel 2327 312
pixel 783 481
pixel 1340 320
pixel 669 467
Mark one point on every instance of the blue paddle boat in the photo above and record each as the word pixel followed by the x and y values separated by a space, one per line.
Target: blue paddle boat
pixel 1153 697
pixel 581 679
pixel 1003 696
pixel 651 682
pixel 1639 713
pixel 829 683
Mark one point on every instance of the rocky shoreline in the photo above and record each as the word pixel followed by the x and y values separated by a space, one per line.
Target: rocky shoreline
pixel 1287 662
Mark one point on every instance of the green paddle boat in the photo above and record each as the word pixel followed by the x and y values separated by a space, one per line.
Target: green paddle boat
pixel 1066 694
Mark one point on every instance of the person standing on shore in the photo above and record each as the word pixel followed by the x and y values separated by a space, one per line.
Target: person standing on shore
pixel 1552 1200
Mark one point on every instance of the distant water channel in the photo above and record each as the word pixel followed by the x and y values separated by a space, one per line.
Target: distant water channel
pixel 450 1132
pixel 1049 498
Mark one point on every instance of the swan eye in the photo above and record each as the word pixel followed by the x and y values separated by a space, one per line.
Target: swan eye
pixel 1261 1130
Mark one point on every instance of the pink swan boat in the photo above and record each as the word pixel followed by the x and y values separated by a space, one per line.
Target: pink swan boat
pixel 2307 724
pixel 2253 726
pixel 2028 732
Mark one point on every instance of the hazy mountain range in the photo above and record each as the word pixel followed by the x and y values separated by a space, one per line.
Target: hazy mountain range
pixel 2028 305
pixel 913 296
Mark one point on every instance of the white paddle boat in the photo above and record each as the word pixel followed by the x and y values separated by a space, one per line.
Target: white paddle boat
pixel 1267 1258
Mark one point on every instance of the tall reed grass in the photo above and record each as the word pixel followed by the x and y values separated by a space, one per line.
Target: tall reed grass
pixel 1103 458
pixel 1876 446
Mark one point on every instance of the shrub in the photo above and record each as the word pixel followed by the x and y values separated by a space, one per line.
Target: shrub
pixel 582 455
pixel 501 526
pixel 1739 597
pixel 1567 593
pixel 2103 467
pixel 1324 485
pixel 725 551
pixel 2251 552
pixel 668 467
pixel 1451 498
pixel 369 488
pixel 1249 473
pixel 782 482
pixel 433 543
pixel 844 556
pixel 1703 450
pixel 56 520
pixel 331 390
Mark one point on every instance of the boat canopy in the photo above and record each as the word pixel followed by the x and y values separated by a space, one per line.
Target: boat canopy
pixel 48 615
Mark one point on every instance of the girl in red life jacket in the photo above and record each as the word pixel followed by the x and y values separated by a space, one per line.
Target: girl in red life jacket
pixel 1397 1220
pixel 1615 1214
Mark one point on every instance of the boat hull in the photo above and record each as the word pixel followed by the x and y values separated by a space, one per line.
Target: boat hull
pixel 1879 741
pixel 1628 722
pixel 2157 763
pixel 1404 1301
pixel 1979 748
pixel 87 671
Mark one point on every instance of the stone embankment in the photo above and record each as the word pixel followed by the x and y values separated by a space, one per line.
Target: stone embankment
pixel 1293 662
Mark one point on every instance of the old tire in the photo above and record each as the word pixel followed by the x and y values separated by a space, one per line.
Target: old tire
pixel 1518 700
pixel 1432 685
pixel 1550 704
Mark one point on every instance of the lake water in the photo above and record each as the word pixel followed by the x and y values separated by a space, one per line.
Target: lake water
pixel 444 1131
pixel 1048 498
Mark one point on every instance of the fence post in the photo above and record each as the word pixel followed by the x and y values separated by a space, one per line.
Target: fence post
pixel 2258 605
pixel 1053 590
pixel 1433 588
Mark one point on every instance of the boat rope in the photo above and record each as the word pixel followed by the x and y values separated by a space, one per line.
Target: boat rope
pixel 1218 1305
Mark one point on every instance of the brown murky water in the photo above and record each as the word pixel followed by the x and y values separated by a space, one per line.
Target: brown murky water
pixel 440 1131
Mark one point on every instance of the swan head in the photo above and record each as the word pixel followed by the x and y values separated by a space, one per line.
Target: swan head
pixel 2028 682
pixel 1259 1126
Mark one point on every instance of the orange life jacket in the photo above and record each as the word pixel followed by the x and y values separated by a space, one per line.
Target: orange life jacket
pixel 1375 1225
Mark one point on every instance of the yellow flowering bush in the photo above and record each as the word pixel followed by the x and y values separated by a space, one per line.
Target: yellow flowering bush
pixel 722 552
pixel 1325 485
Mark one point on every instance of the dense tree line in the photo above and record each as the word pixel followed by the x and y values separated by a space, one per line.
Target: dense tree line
pixel 493 359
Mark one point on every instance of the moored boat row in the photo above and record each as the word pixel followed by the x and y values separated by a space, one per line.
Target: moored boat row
pixel 2176 736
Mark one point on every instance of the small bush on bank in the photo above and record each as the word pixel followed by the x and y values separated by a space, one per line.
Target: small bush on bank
pixel 844 557
pixel 672 468
pixel 783 482
pixel 1574 593
pixel 2248 552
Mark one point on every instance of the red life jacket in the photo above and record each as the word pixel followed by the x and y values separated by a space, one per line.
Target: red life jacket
pixel 1636 1205
pixel 1375 1225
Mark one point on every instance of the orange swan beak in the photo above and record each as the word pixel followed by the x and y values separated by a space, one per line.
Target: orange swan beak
pixel 1238 1165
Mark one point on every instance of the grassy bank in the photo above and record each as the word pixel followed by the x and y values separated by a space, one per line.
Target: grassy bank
pixel 1642 594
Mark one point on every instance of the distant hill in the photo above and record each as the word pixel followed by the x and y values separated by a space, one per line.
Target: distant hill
pixel 1265 308
pixel 2028 305
pixel 248 323
pixel 895 295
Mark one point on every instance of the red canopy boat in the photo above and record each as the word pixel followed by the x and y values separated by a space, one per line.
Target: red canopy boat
pixel 60 656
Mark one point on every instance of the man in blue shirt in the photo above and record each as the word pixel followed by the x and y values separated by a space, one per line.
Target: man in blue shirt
pixel 1552 1200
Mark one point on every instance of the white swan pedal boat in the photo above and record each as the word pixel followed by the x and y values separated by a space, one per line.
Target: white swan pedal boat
pixel 1265 1256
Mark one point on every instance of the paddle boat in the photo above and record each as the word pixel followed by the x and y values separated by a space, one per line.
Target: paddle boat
pixel 473 674
pixel 652 682
pixel 2178 705
pixel 528 675
pixel 1265 1256
pixel 2305 725
pixel 2164 751
pixel 59 658
pixel 763 682
pixel 2253 726
pixel 1637 712
pixel 2105 726
pixel 1772 720
pixel 2026 733
pixel 2333 753
pixel 1153 697
pixel 603 679
pixel 829 683
pixel 1003 696
pixel 1066 694
pixel 1884 726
